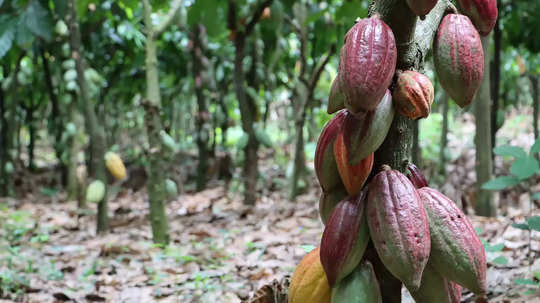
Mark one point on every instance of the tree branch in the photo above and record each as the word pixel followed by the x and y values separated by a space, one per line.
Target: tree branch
pixel 318 70
pixel 256 16
pixel 161 27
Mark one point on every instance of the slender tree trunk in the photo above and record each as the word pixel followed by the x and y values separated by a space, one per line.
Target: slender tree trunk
pixel 74 146
pixel 484 166
pixel 444 134
pixel 299 164
pixel 496 81
pixel 93 127
pixel 535 88
pixel 413 42
pixel 32 134
pixel 3 142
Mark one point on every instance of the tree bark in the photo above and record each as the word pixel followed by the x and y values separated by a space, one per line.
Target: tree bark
pixel 3 143
pixel 156 167
pixel 416 150
pixel 535 88
pixel 484 166
pixel 93 127
pixel 31 133
pixel 444 134
pixel 496 81
pixel 413 39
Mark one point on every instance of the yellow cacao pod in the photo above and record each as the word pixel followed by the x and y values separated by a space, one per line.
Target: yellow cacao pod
pixel 115 165
pixel 309 283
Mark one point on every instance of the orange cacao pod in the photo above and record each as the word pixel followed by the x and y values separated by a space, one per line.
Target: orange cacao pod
pixel 413 95
pixel 352 176
pixel 309 282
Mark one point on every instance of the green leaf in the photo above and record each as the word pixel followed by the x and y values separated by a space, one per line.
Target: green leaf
pixel 535 148
pixel 38 20
pixel 509 150
pixel 500 260
pixel 308 248
pixel 524 282
pixel 523 226
pixel 494 248
pixel 525 167
pixel 534 222
pixel 7 34
pixel 501 183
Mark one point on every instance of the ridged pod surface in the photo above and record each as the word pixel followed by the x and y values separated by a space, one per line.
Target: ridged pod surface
pixel 398 226
pixel 365 132
pixel 413 95
pixel 367 64
pixel 361 286
pixel 483 13
pixel 114 164
pixel 435 288
pixel 456 251
pixel 325 163
pixel 336 100
pixel 309 282
pixel 329 200
pixel 459 58
pixel 352 176
pixel 421 7
pixel 344 239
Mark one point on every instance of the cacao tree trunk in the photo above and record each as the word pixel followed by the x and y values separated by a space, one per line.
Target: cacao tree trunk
pixel 416 151
pixel 444 133
pixel 413 39
pixel 496 81
pixel 484 166
pixel 31 133
pixel 535 88
pixel 93 127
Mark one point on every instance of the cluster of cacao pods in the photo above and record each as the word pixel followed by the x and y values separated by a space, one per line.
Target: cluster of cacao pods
pixel 418 233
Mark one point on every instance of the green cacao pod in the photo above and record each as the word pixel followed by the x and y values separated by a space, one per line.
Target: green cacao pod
pixel 329 200
pixel 325 163
pixel 483 13
pixel 435 288
pixel 456 251
pixel 95 191
pixel 459 58
pixel 398 226
pixel 413 95
pixel 344 239
pixel 364 133
pixel 360 286
pixel 367 64
pixel 172 188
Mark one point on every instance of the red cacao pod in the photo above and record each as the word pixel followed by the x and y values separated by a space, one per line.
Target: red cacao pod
pixel 483 13
pixel 459 58
pixel 456 251
pixel 325 163
pixel 365 132
pixel 421 7
pixel 413 95
pixel 344 239
pixel 336 100
pixel 417 176
pixel 360 286
pixel 398 226
pixel 435 288
pixel 329 200
pixel 367 64
pixel 352 176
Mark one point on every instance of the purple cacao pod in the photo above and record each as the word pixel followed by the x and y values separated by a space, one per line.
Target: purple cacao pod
pixel 344 239
pixel 398 226
pixel 413 95
pixel 325 163
pixel 363 133
pixel 417 176
pixel 336 100
pixel 367 64
pixel 456 251
pixel 421 7
pixel 483 13
pixel 329 200
pixel 459 58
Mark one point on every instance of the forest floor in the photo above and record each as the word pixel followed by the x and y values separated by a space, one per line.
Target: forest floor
pixel 220 250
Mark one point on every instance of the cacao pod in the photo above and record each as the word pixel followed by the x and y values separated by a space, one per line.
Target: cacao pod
pixel 459 58
pixel 483 13
pixel 367 64
pixel 352 176
pixel 421 7
pixel 95 191
pixel 417 177
pixel 361 286
pixel 329 200
pixel 336 99
pixel 456 251
pixel 435 288
pixel 398 226
pixel 413 95
pixel 325 163
pixel 115 165
pixel 344 239
pixel 309 282
pixel 365 132
pixel 171 187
